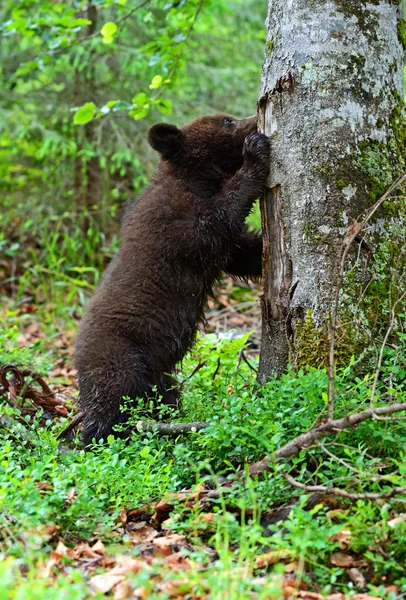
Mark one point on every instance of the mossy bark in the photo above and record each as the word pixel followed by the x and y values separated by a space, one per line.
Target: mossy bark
pixel 332 102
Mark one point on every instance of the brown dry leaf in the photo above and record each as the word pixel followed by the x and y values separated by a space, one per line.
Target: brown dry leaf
pixel 165 544
pixel 99 548
pixel 166 505
pixel 63 550
pixel 166 525
pixel 143 534
pixel 357 577
pixel 54 558
pixel 124 565
pixel 343 537
pixel 292 567
pixel 122 590
pixel 366 597
pixel 44 486
pixel 339 559
pixel 392 588
pixel 135 513
pixel 71 496
pixel 84 551
pixel 337 512
pixel 309 595
pixel 177 562
pixel 141 592
pixel 105 583
pixel 271 558
pixel 175 589
pixel 127 564
pixel 337 596
pixel 122 517
pixel 396 521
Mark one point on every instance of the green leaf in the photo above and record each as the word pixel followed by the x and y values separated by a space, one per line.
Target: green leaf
pixel 164 106
pixel 139 113
pixel 108 32
pixel 85 114
pixel 140 99
pixel 156 82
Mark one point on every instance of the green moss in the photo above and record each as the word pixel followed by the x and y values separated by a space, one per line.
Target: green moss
pixel 368 20
pixel 402 32
pixel 374 162
pixel 356 62
pixel 311 346
pixel 324 169
pixel 269 47
pixel 380 162
pixel 341 184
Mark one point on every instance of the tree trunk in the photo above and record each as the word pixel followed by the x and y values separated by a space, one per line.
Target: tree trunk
pixel 332 102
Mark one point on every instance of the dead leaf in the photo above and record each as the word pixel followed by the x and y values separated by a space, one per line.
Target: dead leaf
pixel 53 560
pixel 175 588
pixel 99 548
pixel 177 562
pixel 166 544
pixel 336 596
pixel 122 517
pixel 291 567
pixel 63 550
pixel 310 595
pixel 135 513
pixel 141 592
pixel 143 534
pixel 334 514
pixel 127 564
pixel 122 590
pixel 357 577
pixel 271 558
pixel 343 537
pixel 104 583
pixel 339 559
pixel 367 597
pixel 396 521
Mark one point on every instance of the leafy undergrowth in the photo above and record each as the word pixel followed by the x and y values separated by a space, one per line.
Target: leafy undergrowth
pixel 138 519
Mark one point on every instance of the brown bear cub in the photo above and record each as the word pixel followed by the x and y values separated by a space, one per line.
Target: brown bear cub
pixel 186 229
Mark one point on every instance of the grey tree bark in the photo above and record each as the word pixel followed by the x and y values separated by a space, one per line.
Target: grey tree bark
pixel 332 102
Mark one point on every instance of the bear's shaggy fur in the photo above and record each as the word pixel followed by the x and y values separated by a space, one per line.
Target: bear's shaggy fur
pixel 186 229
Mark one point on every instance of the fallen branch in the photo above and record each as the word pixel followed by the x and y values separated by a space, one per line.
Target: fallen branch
pixel 343 493
pixel 170 428
pixel 20 385
pixel 306 440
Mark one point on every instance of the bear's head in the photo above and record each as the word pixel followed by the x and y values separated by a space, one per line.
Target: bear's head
pixel 211 144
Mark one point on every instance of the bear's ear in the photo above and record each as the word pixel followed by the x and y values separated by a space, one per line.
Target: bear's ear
pixel 165 139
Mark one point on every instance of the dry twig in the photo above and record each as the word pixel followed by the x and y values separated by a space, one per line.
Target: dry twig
pixel 339 492
pixel 309 438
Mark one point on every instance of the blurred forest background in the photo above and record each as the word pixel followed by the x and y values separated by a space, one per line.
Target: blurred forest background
pixel 65 176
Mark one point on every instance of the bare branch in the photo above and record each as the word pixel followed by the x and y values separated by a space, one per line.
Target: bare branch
pixel 170 428
pixel 339 492
pixel 308 439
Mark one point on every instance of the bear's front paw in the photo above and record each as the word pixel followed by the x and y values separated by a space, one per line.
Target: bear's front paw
pixel 256 147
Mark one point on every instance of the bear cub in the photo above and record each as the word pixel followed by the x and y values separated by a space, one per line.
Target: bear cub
pixel 185 230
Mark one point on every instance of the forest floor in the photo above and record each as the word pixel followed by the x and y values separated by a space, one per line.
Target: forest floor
pixel 163 517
